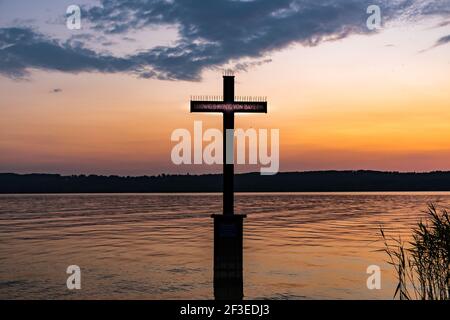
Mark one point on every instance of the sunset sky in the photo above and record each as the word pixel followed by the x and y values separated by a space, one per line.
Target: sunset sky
pixel 105 99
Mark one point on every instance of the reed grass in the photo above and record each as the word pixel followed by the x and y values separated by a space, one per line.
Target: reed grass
pixel 422 265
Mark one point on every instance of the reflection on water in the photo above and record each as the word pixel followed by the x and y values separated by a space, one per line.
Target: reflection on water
pixel 296 246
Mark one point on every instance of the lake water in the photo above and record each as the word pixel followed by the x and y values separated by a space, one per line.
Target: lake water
pixel 156 246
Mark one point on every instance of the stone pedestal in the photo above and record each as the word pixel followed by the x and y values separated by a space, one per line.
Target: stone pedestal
pixel 228 253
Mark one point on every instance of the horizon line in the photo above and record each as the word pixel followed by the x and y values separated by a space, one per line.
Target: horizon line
pixel 219 173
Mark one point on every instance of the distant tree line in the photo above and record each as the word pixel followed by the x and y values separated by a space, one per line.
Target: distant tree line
pixel 313 181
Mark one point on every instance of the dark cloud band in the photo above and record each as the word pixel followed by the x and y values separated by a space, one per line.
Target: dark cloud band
pixel 211 33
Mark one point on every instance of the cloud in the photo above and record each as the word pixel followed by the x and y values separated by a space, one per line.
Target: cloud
pixel 433 7
pixel 211 34
pixel 245 66
pixel 442 41
pixel 23 48
pixel 442 24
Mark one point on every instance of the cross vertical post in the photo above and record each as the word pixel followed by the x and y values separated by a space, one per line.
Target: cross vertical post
pixel 228 168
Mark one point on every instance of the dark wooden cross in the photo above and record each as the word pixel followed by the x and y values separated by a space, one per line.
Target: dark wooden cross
pixel 228 106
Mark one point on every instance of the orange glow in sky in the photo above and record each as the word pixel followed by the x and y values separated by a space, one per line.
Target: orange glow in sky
pixel 364 102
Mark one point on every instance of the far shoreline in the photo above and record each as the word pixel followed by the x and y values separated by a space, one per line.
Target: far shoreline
pixel 284 182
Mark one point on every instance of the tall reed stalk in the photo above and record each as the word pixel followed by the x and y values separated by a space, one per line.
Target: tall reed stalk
pixel 422 264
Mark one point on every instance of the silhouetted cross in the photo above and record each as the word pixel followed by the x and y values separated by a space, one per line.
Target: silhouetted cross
pixel 228 106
